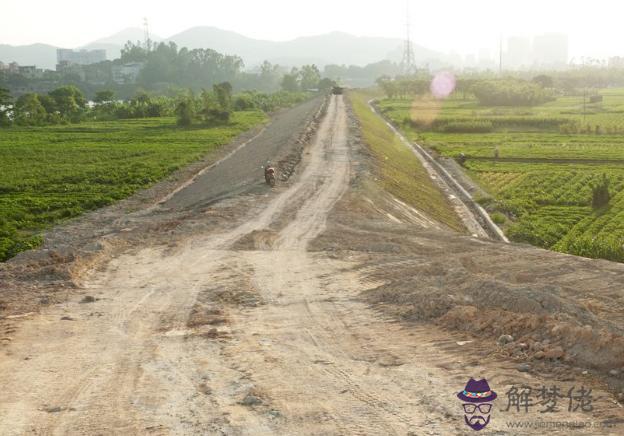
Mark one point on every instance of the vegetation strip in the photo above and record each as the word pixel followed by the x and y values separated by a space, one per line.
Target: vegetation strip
pixel 399 171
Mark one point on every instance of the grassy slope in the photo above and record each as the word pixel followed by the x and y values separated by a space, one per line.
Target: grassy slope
pixel 549 201
pixel 399 171
pixel 52 173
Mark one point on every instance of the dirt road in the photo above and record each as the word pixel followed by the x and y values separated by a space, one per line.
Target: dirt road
pixel 244 330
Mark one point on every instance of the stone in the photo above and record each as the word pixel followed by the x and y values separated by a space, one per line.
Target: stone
pixel 554 353
pixel 505 339
pixel 251 400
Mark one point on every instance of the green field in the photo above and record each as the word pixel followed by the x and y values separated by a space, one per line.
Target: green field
pixel 548 158
pixel 48 174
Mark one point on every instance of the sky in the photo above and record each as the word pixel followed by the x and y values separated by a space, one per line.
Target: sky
pixel 461 26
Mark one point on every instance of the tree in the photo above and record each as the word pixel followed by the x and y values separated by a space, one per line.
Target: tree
pixel 185 111
pixel 326 84
pixel 217 105
pixel 48 103
pixel 269 77
pixel 223 92
pixel 29 111
pixel 105 96
pixel 6 102
pixel 387 85
pixel 310 77
pixel 69 101
pixel 544 81
pixel 290 82
pixel 133 53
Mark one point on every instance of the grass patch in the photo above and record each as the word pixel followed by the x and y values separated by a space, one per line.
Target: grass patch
pixel 398 170
pixel 48 174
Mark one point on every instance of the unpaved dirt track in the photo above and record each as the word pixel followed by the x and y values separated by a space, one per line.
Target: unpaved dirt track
pixel 240 331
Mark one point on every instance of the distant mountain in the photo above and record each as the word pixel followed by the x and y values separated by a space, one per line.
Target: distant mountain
pixel 331 48
pixel 114 43
pixel 41 55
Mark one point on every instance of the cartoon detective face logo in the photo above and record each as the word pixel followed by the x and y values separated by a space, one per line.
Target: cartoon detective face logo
pixel 477 400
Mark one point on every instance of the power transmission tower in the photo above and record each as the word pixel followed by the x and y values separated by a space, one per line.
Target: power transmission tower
pixel 407 64
pixel 146 36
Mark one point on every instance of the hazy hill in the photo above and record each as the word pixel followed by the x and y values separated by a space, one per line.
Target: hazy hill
pixel 114 43
pixel 42 55
pixel 331 48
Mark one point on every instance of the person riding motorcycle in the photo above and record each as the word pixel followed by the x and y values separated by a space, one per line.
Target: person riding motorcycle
pixel 269 175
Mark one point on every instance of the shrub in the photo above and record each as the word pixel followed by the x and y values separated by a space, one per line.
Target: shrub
pixel 185 112
pixel 498 218
pixel 244 102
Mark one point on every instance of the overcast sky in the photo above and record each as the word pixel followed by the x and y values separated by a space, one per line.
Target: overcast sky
pixel 595 27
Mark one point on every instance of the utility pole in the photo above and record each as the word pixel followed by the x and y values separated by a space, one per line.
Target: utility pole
pixel 407 64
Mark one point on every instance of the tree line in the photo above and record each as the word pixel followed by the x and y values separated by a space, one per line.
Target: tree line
pixel 67 104
pixel 508 91
pixel 165 69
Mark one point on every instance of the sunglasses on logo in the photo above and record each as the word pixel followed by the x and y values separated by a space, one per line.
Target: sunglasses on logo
pixel 483 408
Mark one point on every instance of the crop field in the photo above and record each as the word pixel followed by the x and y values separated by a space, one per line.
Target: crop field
pixel 539 164
pixel 48 174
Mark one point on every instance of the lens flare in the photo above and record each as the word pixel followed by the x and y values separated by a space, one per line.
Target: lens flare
pixel 425 110
pixel 442 85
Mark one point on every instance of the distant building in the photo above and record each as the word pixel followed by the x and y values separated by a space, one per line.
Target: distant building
pixel 127 73
pixel 486 61
pixel 80 57
pixel 616 62
pixel 13 67
pixel 551 50
pixel 67 67
pixel 519 53
pixel 30 72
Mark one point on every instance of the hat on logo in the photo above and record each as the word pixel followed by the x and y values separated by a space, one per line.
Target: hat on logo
pixel 477 392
